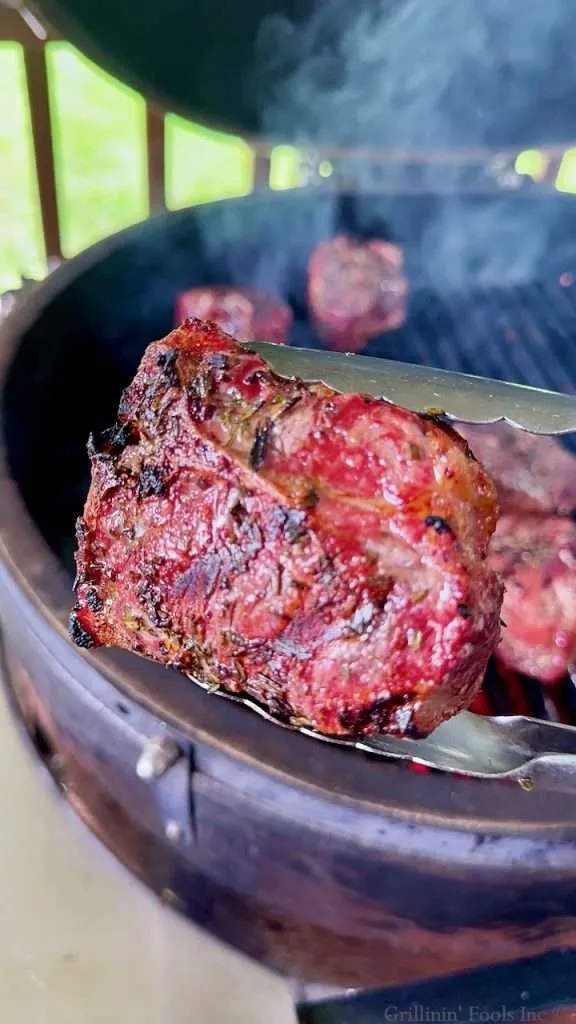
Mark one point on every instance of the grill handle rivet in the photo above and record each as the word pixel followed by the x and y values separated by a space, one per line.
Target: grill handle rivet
pixel 158 755
pixel 173 832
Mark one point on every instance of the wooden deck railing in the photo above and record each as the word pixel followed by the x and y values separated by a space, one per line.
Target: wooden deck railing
pixel 13 28
pixel 34 38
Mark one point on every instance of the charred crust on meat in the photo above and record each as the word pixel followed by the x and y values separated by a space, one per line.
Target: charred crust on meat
pixel 379 589
pixel 78 634
pixel 239 513
pixel 440 525
pixel 279 707
pixel 361 620
pixel 441 422
pixel 311 498
pixel 437 416
pixel 294 525
pixel 201 386
pixel 290 647
pixel 151 482
pixel 81 531
pixel 288 406
pixel 290 523
pixel 167 361
pixel 252 541
pixel 94 602
pixel 217 361
pixel 326 571
pixel 240 643
pixel 301 585
pixel 432 417
pixel 198 392
pixel 260 445
pixel 378 717
pixel 150 598
pixel 468 451
pixel 256 377
pixel 201 578
pixel 110 443
pixel 464 611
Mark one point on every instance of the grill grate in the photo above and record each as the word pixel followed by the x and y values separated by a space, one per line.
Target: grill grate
pixel 525 334
pixel 507 693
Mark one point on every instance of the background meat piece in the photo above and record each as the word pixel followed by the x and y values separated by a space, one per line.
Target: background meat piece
pixel 244 314
pixel 536 556
pixel 356 290
pixel 323 553
pixel 531 473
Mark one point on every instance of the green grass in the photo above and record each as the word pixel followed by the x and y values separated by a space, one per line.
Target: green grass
pixel 204 165
pixel 20 235
pixel 100 160
pixel 99 153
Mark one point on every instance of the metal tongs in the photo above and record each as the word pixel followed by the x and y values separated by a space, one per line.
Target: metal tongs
pixel 457 396
pixel 514 747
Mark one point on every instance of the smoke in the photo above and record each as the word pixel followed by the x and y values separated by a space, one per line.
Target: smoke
pixel 264 242
pixel 497 243
pixel 420 73
pixel 431 75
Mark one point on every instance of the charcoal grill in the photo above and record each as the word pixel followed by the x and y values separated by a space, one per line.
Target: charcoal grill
pixel 333 868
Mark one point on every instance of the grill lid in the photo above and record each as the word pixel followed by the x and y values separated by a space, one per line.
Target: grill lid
pixel 399 74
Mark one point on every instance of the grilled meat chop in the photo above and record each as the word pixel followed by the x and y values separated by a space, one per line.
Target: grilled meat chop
pixel 356 290
pixel 536 556
pixel 531 473
pixel 322 553
pixel 245 314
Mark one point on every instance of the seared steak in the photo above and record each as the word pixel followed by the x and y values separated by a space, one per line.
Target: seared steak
pixel 245 314
pixel 323 553
pixel 356 290
pixel 536 556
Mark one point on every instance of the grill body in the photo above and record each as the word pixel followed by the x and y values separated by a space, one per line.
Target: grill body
pixel 323 863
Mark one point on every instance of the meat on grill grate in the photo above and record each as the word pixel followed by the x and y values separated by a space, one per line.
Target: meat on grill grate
pixel 532 474
pixel 323 553
pixel 245 314
pixel 356 290
pixel 536 557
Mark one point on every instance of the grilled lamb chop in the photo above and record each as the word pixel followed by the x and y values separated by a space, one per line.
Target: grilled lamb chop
pixel 536 556
pixel 532 474
pixel 246 315
pixel 322 553
pixel 356 290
